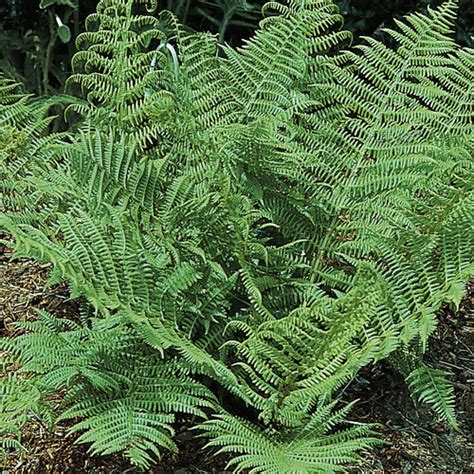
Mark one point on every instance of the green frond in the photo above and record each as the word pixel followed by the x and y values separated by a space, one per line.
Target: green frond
pixel 431 386
pixel 266 69
pixel 19 399
pixel 316 447
pixel 139 423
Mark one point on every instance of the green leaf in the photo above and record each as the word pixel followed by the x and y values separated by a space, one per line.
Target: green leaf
pixel 432 386
pixel 64 33
pixel 456 293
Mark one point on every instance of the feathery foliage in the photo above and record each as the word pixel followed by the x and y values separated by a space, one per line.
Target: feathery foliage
pixel 247 228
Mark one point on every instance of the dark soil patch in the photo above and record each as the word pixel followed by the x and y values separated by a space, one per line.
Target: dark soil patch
pixel 414 441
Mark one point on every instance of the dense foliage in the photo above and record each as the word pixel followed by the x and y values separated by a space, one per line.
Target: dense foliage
pixel 246 228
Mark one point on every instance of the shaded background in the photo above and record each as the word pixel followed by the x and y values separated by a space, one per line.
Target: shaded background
pixel 32 52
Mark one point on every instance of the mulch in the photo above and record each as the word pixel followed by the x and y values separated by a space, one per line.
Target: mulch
pixel 414 442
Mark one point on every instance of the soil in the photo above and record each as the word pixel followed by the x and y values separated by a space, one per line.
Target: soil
pixel 414 442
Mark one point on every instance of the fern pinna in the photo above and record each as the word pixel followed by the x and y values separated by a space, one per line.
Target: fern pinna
pixel 250 224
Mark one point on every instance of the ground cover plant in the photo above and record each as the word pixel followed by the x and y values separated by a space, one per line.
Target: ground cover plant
pixel 246 228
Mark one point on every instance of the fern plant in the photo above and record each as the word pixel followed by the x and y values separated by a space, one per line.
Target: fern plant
pixel 247 228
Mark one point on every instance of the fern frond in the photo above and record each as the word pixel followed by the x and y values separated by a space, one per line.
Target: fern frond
pixel 432 386
pixel 317 447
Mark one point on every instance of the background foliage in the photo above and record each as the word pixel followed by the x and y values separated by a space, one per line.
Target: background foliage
pixel 33 53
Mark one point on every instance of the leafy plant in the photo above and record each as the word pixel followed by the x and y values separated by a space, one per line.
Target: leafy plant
pixel 248 227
